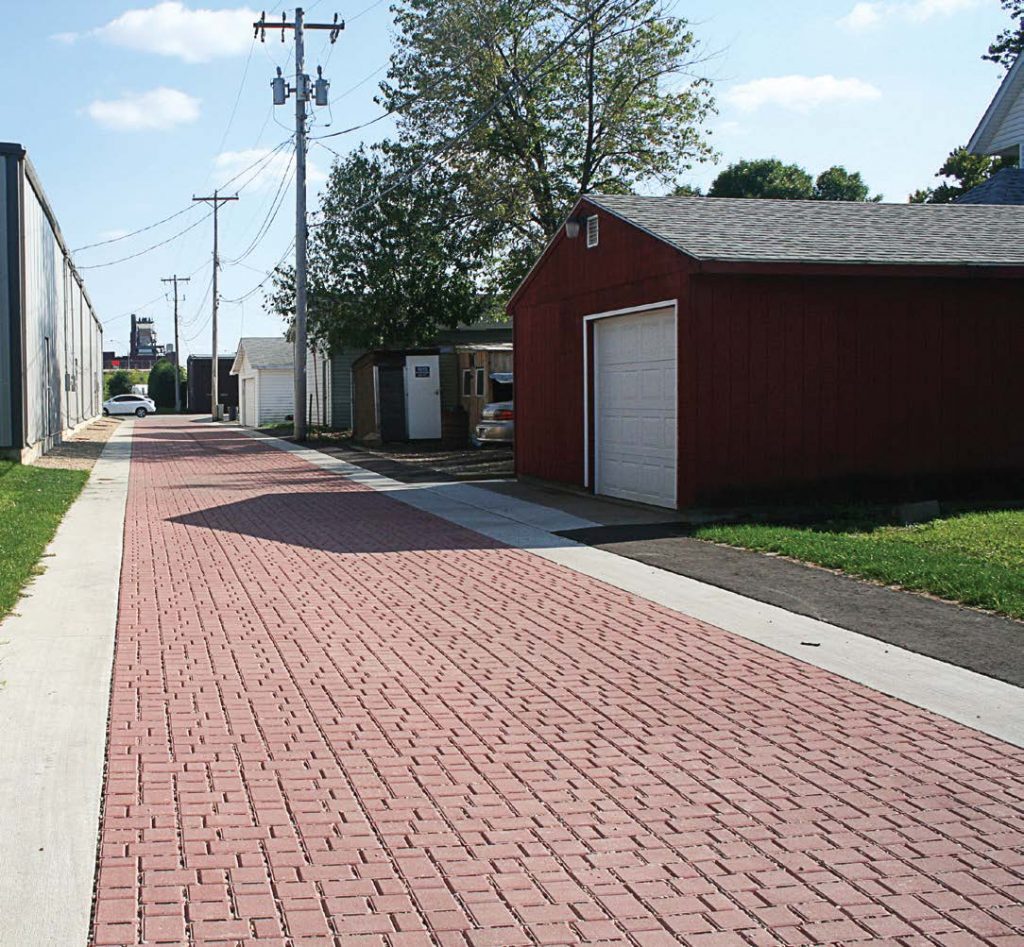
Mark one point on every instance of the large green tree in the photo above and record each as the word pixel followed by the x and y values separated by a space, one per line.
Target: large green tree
pixel 532 104
pixel 393 256
pixel 960 172
pixel 772 178
pixel 1007 46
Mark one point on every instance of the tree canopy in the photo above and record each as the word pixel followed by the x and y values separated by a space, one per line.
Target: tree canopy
pixel 772 178
pixel 961 171
pixel 161 383
pixel 545 101
pixel 394 259
pixel 1007 46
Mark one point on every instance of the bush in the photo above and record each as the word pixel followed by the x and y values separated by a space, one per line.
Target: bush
pixel 119 383
pixel 161 384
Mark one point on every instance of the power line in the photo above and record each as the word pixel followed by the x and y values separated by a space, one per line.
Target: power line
pixel 155 246
pixel 134 233
pixel 275 207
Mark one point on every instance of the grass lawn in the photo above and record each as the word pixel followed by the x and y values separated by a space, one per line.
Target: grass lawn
pixel 974 558
pixel 33 500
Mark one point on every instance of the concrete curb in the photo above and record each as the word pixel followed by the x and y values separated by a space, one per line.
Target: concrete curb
pixel 980 702
pixel 56 660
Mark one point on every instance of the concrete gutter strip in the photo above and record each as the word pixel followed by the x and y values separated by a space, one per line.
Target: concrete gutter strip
pixel 56 658
pixel 975 700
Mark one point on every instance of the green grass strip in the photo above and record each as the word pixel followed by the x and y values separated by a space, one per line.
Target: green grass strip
pixel 973 558
pixel 33 501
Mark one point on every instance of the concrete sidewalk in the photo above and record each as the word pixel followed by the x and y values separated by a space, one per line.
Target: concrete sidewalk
pixel 56 651
pixel 339 719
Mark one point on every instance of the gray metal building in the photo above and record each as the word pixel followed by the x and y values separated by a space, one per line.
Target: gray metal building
pixel 51 343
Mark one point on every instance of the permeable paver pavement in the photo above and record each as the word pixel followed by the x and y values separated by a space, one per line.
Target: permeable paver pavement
pixel 338 720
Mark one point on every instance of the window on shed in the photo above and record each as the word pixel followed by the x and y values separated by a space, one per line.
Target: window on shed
pixel 592 231
pixel 479 382
pixel 467 382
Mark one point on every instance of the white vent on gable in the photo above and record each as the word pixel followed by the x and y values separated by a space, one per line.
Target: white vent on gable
pixel 592 231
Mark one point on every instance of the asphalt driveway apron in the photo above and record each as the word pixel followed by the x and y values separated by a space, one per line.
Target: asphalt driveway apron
pixel 338 720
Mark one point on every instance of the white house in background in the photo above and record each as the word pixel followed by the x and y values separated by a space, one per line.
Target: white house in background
pixel 266 384
pixel 1001 130
pixel 1001 134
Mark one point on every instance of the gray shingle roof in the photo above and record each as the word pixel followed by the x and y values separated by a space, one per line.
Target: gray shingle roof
pixel 769 231
pixel 1004 187
pixel 267 353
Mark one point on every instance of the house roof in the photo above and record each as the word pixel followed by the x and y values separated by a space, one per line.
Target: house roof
pixel 986 139
pixel 1004 187
pixel 829 232
pixel 264 353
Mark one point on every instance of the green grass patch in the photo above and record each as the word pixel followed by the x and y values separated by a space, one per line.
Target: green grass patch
pixel 33 501
pixel 974 558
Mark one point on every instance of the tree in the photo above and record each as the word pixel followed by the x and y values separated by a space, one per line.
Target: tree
pixel 533 104
pixel 764 178
pixel 119 383
pixel 394 258
pixel 771 178
pixel 1009 44
pixel 963 172
pixel 161 383
pixel 838 184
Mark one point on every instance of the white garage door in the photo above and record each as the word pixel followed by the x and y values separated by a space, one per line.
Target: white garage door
pixel 635 407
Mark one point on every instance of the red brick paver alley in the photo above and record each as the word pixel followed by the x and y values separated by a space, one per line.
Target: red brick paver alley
pixel 337 720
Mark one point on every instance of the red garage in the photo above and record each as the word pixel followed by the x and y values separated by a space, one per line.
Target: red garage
pixel 676 350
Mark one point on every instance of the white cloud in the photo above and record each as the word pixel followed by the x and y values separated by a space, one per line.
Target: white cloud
pixel 172 29
pixel 138 111
pixel 870 13
pixel 799 93
pixel 229 164
pixel 65 39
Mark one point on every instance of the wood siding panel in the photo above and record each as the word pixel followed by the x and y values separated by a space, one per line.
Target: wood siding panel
pixel 858 378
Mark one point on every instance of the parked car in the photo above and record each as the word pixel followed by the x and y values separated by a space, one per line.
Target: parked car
pixel 497 424
pixel 139 405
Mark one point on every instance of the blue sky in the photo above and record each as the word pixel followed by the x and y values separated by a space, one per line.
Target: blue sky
pixel 128 110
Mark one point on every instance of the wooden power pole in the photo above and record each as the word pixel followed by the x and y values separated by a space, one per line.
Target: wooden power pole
pixel 216 201
pixel 177 355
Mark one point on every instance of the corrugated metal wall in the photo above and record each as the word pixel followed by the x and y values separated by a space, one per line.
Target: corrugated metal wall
pixel 59 363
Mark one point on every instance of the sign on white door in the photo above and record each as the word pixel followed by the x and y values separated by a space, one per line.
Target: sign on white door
pixel 423 396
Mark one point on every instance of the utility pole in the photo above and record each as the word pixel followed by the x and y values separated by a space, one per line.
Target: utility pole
pixel 301 91
pixel 177 355
pixel 216 200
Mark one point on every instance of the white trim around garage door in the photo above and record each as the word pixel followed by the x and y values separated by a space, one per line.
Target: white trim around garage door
pixel 672 304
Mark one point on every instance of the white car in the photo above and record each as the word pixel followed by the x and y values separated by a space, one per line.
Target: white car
pixel 139 405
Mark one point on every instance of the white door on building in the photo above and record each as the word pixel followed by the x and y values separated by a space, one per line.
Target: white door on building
pixel 423 396
pixel 635 398
pixel 249 402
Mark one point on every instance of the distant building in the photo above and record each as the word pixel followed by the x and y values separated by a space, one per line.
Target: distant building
pixel 51 342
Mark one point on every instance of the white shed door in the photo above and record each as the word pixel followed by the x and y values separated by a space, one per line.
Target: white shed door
pixel 249 402
pixel 635 398
pixel 423 396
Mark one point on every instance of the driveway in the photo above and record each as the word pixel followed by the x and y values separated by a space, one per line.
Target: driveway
pixel 339 720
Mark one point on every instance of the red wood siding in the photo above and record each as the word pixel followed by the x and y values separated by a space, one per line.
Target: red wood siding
pixel 627 268
pixel 812 379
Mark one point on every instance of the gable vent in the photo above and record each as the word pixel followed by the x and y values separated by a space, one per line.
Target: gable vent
pixel 592 231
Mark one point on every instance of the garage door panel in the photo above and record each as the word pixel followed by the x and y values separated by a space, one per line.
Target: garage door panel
pixel 635 407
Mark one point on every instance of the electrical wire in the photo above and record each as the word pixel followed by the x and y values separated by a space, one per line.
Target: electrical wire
pixel 238 96
pixel 275 208
pixel 262 282
pixel 150 249
pixel 134 233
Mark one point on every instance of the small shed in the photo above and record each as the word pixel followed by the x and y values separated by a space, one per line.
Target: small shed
pixel 199 383
pixel 266 380
pixel 676 351
pixel 399 395
pixel 485 376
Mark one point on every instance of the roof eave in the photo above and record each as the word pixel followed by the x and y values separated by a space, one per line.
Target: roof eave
pixel 981 140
